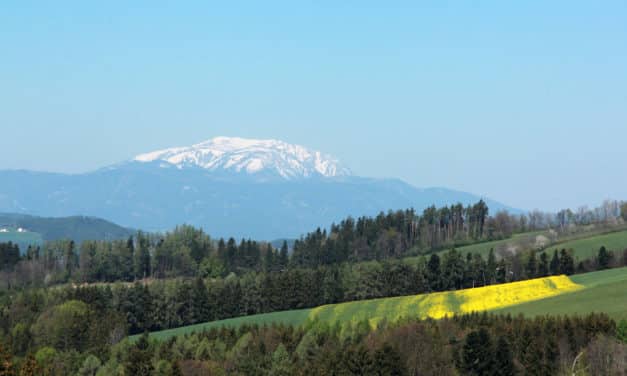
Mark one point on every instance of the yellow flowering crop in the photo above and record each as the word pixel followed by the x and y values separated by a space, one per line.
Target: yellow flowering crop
pixel 438 305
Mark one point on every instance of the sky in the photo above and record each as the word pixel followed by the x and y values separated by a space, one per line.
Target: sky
pixel 522 102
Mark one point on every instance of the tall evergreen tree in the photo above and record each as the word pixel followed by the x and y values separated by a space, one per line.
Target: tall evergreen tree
pixel 433 272
pixel 543 265
pixel 142 257
pixel 387 362
pixel 503 358
pixel 139 358
pixel 604 258
pixel 358 361
pixel 501 272
pixel 567 262
pixel 491 267
pixel 554 267
pixel 531 269
pixel 283 256
pixel 477 354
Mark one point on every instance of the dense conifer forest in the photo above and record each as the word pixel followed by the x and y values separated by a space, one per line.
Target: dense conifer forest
pixel 54 298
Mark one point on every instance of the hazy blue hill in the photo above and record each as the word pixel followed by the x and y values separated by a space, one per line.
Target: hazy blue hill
pixel 77 228
pixel 149 197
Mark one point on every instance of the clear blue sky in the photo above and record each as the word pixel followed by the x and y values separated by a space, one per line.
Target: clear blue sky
pixel 525 103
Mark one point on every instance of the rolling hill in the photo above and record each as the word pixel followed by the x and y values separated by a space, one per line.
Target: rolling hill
pixel 592 292
pixel 40 229
pixel 602 291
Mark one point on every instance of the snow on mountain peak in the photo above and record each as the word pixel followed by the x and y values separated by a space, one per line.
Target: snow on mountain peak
pixel 251 157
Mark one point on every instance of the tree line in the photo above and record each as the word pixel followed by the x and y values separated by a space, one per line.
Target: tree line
pixel 474 344
pixel 133 308
pixel 189 252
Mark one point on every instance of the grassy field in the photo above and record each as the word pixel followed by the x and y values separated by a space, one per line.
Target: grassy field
pixel 294 317
pixel 483 249
pixel 584 245
pixel 436 305
pixel 589 247
pixel 604 291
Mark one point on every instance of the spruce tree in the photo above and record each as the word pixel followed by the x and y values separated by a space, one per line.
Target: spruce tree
pixel 543 265
pixel 387 362
pixel 477 354
pixel 503 358
pixel 603 259
pixel 567 263
pixel 283 256
pixel 491 267
pixel 433 272
pixel 358 361
pixel 554 267
pixel 139 358
pixel 532 266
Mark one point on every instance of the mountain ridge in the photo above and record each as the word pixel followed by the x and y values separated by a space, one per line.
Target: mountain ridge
pixel 156 195
pixel 250 156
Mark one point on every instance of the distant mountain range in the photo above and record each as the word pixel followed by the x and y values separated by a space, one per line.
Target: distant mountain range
pixel 264 189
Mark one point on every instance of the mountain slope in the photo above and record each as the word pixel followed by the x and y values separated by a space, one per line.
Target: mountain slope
pixel 156 194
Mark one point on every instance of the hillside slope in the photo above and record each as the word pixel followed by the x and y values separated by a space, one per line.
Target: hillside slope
pixel 437 305
pixel 77 228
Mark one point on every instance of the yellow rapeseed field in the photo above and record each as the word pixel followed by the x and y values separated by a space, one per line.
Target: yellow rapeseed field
pixel 438 305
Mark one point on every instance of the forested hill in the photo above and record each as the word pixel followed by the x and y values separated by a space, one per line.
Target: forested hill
pixel 77 228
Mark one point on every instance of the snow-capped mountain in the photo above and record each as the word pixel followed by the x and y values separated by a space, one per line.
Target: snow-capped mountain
pixel 252 157
pixel 263 189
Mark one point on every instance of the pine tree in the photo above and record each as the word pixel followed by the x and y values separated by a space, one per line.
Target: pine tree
pixel 532 266
pixel 567 263
pixel 139 359
pixel 281 365
pixel 543 266
pixel 603 259
pixel 433 272
pixel 477 354
pixel 269 259
pixel 554 267
pixel 551 355
pixel 70 258
pixel 358 361
pixel 501 272
pixel 200 302
pixel 532 354
pixel 283 256
pixel 142 257
pixel 387 362
pixel 503 358
pixel 491 267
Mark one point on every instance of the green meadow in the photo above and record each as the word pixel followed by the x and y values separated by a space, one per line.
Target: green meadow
pixel 603 291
